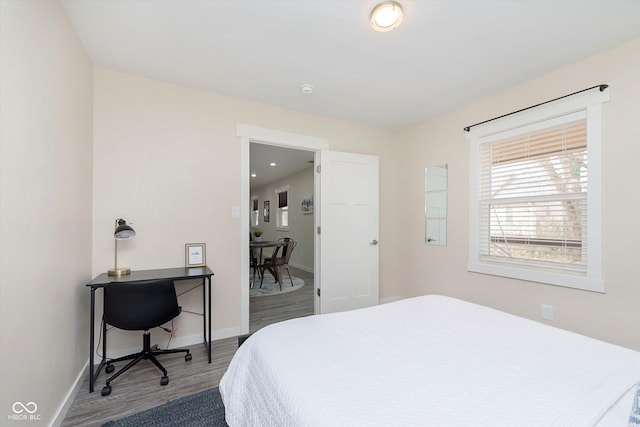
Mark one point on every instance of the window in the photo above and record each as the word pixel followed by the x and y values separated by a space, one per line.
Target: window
pixel 536 194
pixel 255 212
pixel 282 214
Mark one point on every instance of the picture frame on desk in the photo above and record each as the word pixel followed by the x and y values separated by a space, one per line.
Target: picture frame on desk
pixel 195 254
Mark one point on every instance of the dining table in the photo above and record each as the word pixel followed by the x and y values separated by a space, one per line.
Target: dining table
pixel 256 262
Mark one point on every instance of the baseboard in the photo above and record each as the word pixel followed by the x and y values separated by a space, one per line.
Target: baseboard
pixel 61 413
pixel 188 340
pixel 302 267
pixel 175 343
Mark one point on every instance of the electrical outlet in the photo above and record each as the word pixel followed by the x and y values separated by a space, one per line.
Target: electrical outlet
pixel 547 312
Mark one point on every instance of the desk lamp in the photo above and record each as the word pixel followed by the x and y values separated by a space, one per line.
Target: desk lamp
pixel 123 232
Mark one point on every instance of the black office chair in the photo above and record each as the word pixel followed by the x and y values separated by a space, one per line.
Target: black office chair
pixel 140 306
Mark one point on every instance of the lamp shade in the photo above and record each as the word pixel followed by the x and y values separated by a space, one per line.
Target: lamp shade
pixel 123 231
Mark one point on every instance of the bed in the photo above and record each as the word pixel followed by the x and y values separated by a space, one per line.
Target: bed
pixel 428 361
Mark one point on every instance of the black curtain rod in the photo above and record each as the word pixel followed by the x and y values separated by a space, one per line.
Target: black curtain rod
pixel 601 87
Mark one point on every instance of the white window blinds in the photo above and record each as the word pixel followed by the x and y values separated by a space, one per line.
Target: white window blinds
pixel 533 194
pixel 282 198
pixel 255 212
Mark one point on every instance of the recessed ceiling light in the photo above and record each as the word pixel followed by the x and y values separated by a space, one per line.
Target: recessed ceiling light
pixel 272 164
pixel 253 175
pixel 386 16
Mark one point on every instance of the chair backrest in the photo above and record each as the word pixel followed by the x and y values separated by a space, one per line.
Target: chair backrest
pixel 274 256
pixel 286 241
pixel 287 249
pixel 140 305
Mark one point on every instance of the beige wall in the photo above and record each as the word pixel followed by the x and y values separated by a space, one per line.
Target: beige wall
pixel 612 316
pixel 300 225
pixel 45 206
pixel 167 158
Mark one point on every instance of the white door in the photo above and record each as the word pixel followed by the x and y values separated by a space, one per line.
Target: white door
pixel 348 239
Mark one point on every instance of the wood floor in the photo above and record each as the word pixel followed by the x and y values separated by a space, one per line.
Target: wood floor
pixel 140 389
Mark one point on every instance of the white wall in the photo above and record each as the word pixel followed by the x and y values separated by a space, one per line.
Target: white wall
pixel 45 206
pixel 612 316
pixel 167 158
pixel 301 226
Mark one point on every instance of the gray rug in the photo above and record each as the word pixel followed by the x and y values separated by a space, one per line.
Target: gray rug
pixel 201 409
pixel 271 287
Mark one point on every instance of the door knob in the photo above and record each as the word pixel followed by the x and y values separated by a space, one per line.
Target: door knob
pixel 373 242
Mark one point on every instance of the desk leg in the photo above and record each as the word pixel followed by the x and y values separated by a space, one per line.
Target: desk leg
pixel 204 310
pixel 92 338
pixel 93 374
pixel 206 286
pixel 210 313
pixel 104 341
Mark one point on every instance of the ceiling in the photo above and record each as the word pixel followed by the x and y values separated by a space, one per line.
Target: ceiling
pixel 288 161
pixel 444 55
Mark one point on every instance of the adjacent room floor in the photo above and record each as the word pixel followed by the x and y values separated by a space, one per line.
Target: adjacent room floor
pixel 140 389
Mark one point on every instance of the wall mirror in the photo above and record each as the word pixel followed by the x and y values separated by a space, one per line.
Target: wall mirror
pixel 435 205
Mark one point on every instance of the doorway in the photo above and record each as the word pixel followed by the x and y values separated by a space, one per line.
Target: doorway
pixel 281 188
pixel 252 134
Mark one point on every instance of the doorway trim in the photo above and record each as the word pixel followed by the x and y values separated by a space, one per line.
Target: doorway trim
pixel 248 134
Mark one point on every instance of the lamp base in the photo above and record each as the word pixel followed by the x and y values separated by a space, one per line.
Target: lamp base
pixel 119 271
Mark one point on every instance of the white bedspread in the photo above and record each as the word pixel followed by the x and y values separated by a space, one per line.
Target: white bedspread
pixel 427 361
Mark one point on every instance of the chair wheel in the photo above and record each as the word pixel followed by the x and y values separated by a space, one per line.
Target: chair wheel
pixel 188 357
pixel 164 380
pixel 106 391
pixel 109 369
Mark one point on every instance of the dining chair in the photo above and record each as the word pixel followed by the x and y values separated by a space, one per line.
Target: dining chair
pixel 276 264
pixel 255 264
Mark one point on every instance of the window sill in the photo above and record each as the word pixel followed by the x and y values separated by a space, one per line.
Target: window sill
pixel 545 277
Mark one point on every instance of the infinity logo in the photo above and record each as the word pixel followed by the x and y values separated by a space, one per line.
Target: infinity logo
pixel 30 407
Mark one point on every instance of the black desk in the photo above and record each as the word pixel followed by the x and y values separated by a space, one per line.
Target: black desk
pixel 181 273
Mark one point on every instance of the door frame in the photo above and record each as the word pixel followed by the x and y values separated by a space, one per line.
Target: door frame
pixel 247 134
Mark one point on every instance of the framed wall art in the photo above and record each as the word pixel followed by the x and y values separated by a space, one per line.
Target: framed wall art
pixel 307 205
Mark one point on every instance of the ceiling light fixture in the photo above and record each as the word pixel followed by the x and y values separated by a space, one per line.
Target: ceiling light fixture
pixel 386 16
pixel 306 89
pixel 253 175
pixel 272 164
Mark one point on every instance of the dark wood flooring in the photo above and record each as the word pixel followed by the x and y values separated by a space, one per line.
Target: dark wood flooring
pixel 140 389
